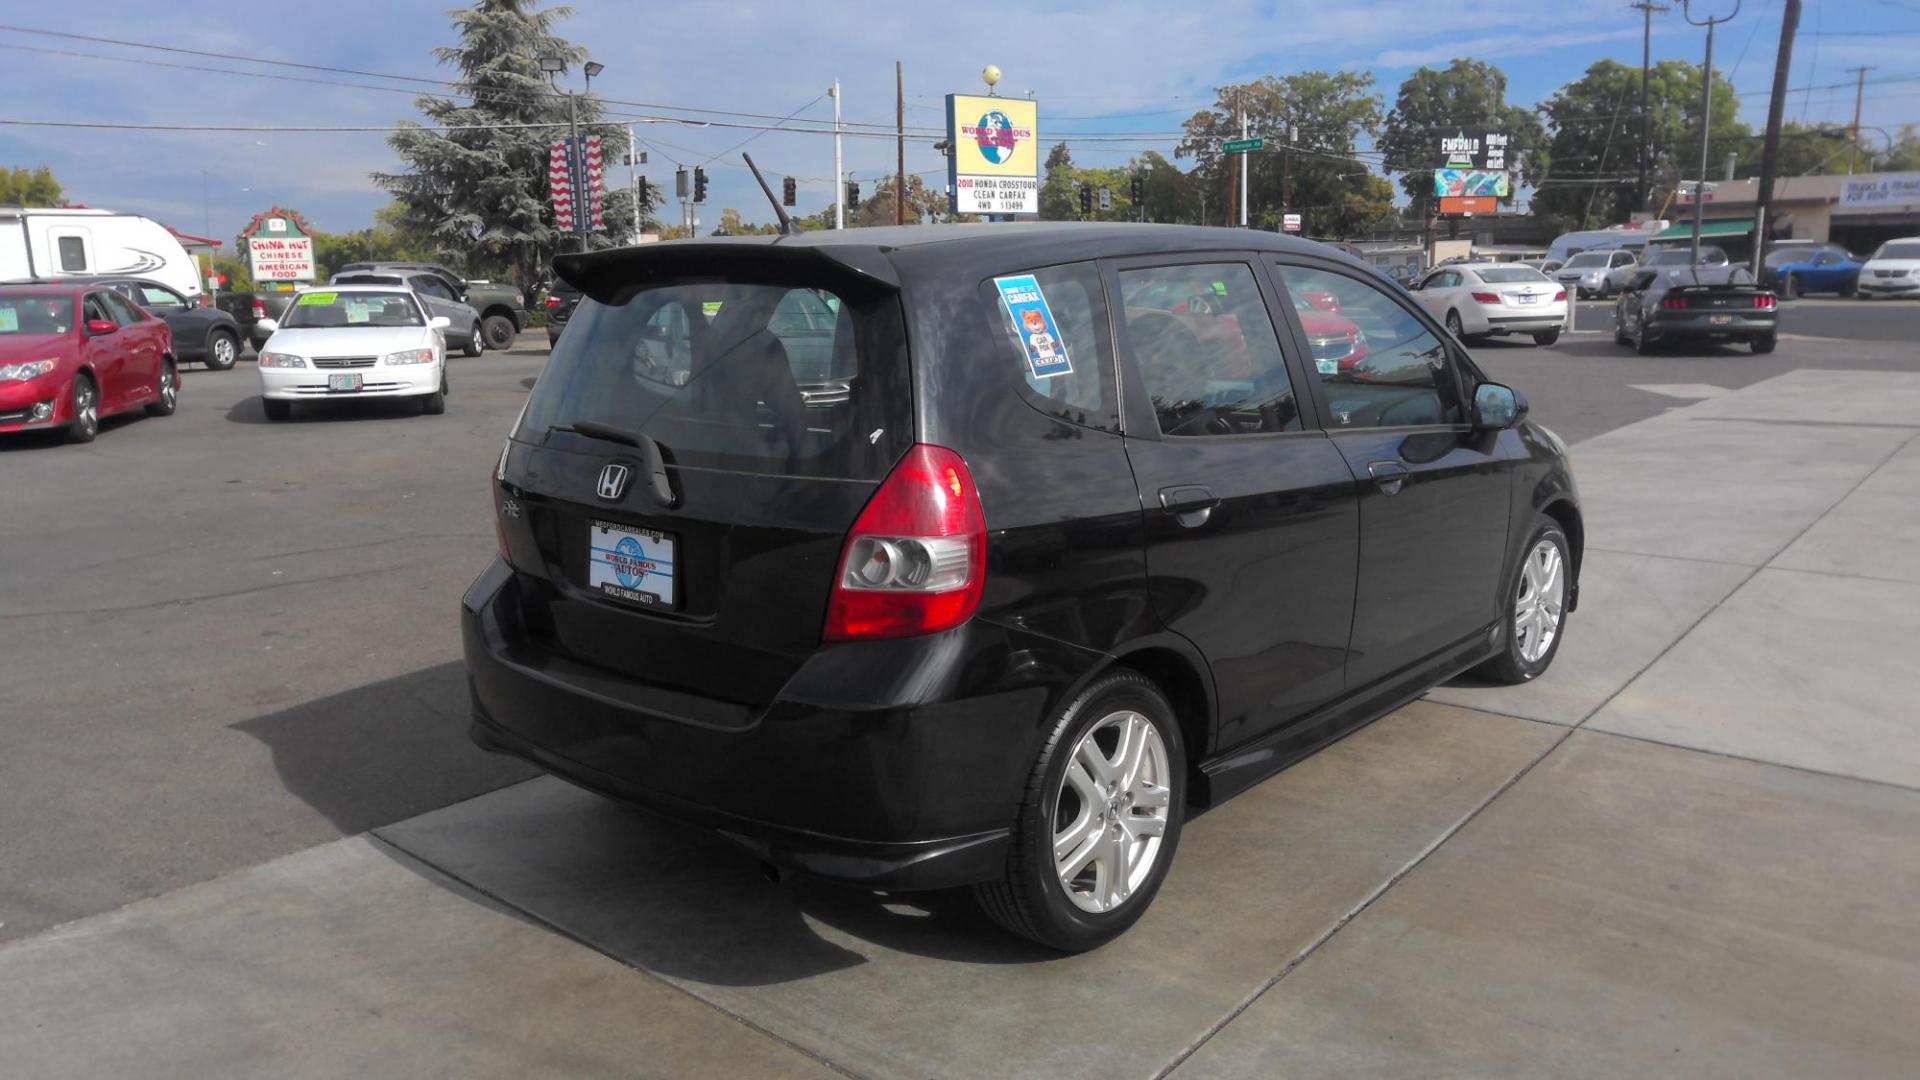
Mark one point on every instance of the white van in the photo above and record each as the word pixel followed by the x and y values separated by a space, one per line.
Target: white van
pixel 85 243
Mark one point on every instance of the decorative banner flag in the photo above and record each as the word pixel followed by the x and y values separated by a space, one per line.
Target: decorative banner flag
pixel 594 184
pixel 560 183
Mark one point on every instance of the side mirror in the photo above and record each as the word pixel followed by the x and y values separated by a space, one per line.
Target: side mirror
pixel 100 327
pixel 439 322
pixel 1496 406
pixel 269 325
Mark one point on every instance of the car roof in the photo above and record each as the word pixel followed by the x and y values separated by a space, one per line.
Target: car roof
pixel 1491 266
pixel 352 288
pixel 41 285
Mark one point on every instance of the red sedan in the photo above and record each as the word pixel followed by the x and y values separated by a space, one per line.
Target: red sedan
pixel 71 354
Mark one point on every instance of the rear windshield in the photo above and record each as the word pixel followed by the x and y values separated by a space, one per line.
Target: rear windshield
pixel 322 309
pixel 35 313
pixel 1507 275
pixel 780 379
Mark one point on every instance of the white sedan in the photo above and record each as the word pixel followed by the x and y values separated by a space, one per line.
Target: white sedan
pixel 353 341
pixel 1484 299
pixel 1894 270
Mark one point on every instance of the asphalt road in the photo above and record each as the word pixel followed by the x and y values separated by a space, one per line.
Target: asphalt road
pixel 227 640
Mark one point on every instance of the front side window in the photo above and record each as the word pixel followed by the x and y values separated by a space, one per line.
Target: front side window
pixel 123 310
pixel 1401 377
pixel 1055 328
pixel 73 254
pixel 426 285
pixel 95 308
pixel 1206 349
pixel 322 309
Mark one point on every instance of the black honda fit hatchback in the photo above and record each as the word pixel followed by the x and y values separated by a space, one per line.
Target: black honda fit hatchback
pixel 975 555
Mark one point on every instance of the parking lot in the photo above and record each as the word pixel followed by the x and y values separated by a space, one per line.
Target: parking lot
pixel 246 832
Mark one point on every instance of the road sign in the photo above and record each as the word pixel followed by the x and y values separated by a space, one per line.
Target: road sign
pixel 1241 146
pixel 1290 222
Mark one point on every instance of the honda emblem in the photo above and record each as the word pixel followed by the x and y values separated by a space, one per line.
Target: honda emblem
pixel 613 482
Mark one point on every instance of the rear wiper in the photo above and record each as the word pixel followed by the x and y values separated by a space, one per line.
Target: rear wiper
pixel 652 458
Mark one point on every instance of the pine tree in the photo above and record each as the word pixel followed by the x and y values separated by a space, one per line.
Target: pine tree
pixel 480 192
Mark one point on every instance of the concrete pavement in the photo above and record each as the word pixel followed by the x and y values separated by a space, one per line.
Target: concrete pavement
pixel 1686 851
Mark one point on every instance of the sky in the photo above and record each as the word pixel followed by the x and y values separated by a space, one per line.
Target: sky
pixel 1124 72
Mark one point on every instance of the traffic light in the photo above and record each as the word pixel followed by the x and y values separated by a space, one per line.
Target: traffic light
pixel 1106 198
pixel 853 194
pixel 789 192
pixel 644 196
pixel 1139 189
pixel 699 184
pixel 1086 200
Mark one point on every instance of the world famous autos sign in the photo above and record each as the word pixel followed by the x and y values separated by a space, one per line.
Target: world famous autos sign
pixel 995 164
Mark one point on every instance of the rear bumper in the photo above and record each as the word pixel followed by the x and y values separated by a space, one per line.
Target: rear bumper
pixel 895 764
pixel 1527 324
pixel 1698 327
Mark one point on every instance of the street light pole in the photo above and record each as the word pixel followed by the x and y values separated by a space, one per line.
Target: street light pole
pixel 1706 119
pixel 840 183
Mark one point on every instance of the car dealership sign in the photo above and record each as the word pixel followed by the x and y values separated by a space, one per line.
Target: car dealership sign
pixel 1481 151
pixel 1880 190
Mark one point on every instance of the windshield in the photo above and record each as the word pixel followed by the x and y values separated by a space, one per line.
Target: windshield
pixel 1588 258
pixel 35 313
pixel 777 379
pixel 1899 249
pixel 329 310
pixel 1508 275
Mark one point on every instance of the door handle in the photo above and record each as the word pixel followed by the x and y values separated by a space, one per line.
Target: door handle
pixel 1191 505
pixel 1388 476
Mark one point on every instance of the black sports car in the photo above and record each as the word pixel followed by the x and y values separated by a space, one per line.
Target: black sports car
pixel 1706 304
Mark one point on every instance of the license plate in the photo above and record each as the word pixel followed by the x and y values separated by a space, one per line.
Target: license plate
pixel 1528 298
pixel 631 564
pixel 337 383
pixel 1719 320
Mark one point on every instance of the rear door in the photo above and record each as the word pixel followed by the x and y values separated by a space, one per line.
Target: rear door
pixel 1250 510
pixel 1434 496
pixel 719 589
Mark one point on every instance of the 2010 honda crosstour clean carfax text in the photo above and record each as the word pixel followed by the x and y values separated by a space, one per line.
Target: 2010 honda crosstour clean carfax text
pixel 975 555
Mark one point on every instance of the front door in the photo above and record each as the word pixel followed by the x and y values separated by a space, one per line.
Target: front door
pixel 440 301
pixel 1434 495
pixel 1250 510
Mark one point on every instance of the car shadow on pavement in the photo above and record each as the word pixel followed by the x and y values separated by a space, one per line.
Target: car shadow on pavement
pixel 249 410
pixel 677 900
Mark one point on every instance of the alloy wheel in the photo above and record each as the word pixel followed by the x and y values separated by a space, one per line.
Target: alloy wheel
pixel 1110 811
pixel 86 407
pixel 1543 592
pixel 169 387
pixel 224 351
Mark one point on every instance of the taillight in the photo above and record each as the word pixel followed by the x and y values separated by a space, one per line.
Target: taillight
pixel 1764 300
pixel 259 310
pixel 1674 303
pixel 916 560
pixel 1486 298
pixel 553 302
pixel 1561 295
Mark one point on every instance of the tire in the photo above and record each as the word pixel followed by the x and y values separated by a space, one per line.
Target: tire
pixel 1454 327
pixel 1546 337
pixel 85 425
pixel 223 350
pixel 277 410
pixel 500 332
pixel 1606 289
pixel 1642 344
pixel 1763 345
pixel 475 343
pixel 1524 655
pixel 1032 900
pixel 167 395
pixel 435 403
pixel 1851 288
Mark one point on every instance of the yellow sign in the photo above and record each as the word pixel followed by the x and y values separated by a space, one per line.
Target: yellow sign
pixel 995 167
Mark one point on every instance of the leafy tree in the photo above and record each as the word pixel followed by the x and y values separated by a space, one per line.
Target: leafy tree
pixel 390 239
pixel 479 193
pixel 732 225
pixel 1596 132
pixel 1327 113
pixel 1903 155
pixel 239 274
pixel 1467 96
pixel 924 205
pixel 31 187
pixel 1169 193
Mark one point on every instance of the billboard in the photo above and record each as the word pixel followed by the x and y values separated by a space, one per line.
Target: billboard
pixel 1484 151
pixel 1460 182
pixel 1469 204
pixel 994 167
pixel 1883 190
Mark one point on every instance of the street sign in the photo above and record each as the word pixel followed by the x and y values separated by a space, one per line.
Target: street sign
pixel 1290 222
pixel 1241 146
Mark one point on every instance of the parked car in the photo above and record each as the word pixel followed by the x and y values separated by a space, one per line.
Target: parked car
pixel 1894 270
pixel 1702 305
pixel 249 307
pixel 502 308
pixel 72 354
pixel 1816 270
pixel 1336 344
pixel 1053 569
pixel 1590 272
pixel 1479 300
pixel 206 335
pixel 463 322
pixel 562 298
pixel 354 341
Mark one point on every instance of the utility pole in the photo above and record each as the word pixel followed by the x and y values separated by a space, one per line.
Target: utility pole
pixel 1647 9
pixel 839 181
pixel 1770 151
pixel 1859 93
pixel 1286 172
pixel 1706 119
pixel 633 183
pixel 899 146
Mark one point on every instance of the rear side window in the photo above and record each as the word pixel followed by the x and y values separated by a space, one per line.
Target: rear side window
pixel 1066 367
pixel 782 379
pixel 73 253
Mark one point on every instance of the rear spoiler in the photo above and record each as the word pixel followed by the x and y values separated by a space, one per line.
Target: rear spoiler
pixel 605 275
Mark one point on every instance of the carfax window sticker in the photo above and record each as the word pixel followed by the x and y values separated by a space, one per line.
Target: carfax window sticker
pixel 1033 325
